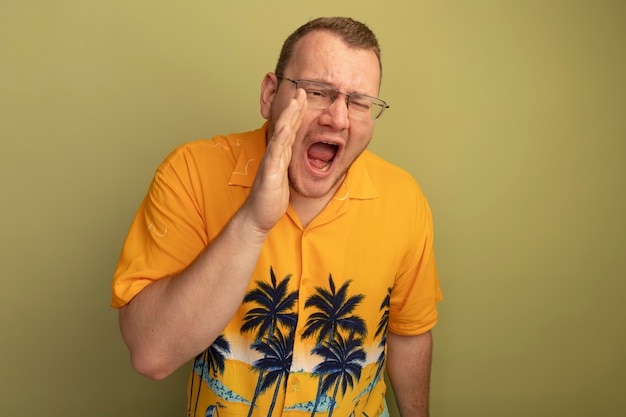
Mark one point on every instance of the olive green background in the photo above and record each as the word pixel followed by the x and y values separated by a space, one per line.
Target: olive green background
pixel 511 115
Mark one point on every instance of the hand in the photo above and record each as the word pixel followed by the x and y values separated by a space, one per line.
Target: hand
pixel 269 197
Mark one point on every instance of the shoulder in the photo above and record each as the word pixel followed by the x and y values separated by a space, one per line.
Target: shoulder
pixel 213 155
pixel 388 177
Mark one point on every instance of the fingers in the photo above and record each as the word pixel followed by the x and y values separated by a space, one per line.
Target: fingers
pixel 292 115
pixel 269 197
pixel 301 106
pixel 289 121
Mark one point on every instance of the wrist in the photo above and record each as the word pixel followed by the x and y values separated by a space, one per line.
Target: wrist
pixel 245 222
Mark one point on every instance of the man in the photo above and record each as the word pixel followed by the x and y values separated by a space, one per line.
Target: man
pixel 284 261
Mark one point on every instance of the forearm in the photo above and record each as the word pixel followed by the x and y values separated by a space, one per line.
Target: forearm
pixel 408 366
pixel 175 318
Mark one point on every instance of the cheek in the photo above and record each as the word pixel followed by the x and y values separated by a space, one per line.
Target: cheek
pixel 360 136
pixel 309 122
pixel 278 105
pixel 275 110
pixel 308 125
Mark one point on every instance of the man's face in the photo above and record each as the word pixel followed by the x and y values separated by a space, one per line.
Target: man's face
pixel 328 140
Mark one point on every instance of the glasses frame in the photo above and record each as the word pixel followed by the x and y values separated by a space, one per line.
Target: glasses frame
pixel 377 101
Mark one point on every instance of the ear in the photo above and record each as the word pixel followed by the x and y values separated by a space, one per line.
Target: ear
pixel 269 87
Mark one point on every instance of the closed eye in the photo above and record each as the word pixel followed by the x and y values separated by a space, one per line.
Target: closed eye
pixel 360 103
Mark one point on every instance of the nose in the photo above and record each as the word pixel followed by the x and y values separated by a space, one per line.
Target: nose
pixel 336 114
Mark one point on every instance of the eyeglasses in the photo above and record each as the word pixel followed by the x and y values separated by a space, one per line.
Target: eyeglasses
pixel 322 95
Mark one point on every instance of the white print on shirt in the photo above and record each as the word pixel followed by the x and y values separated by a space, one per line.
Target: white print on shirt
pixel 152 227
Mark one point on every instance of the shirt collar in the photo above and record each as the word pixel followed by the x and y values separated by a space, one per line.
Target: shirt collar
pixel 358 182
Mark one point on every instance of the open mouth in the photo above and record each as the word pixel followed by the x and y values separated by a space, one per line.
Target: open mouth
pixel 321 155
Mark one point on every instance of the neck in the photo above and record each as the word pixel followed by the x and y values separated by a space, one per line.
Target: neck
pixel 307 208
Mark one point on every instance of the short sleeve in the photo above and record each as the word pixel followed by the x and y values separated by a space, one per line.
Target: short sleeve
pixel 167 233
pixel 416 292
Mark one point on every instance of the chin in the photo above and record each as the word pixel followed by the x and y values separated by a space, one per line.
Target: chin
pixel 318 189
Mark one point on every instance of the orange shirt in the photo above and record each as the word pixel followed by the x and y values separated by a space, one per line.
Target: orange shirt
pixel 310 333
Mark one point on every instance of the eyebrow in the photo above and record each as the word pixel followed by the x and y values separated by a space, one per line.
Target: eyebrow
pixel 336 88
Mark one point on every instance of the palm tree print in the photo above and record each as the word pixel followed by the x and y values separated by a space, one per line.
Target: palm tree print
pixel 274 310
pixel 212 359
pixel 381 331
pixel 342 365
pixel 275 306
pixel 333 313
pixel 334 310
pixel 275 364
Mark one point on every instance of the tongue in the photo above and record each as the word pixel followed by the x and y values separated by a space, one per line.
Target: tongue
pixel 322 152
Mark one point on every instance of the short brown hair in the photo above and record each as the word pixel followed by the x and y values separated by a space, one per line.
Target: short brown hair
pixel 352 32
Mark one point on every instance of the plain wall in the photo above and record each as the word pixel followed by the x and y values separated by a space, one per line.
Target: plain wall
pixel 511 115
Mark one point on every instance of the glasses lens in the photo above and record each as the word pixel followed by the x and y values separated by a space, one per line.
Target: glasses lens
pixel 379 107
pixel 362 107
pixel 318 95
pixel 365 107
